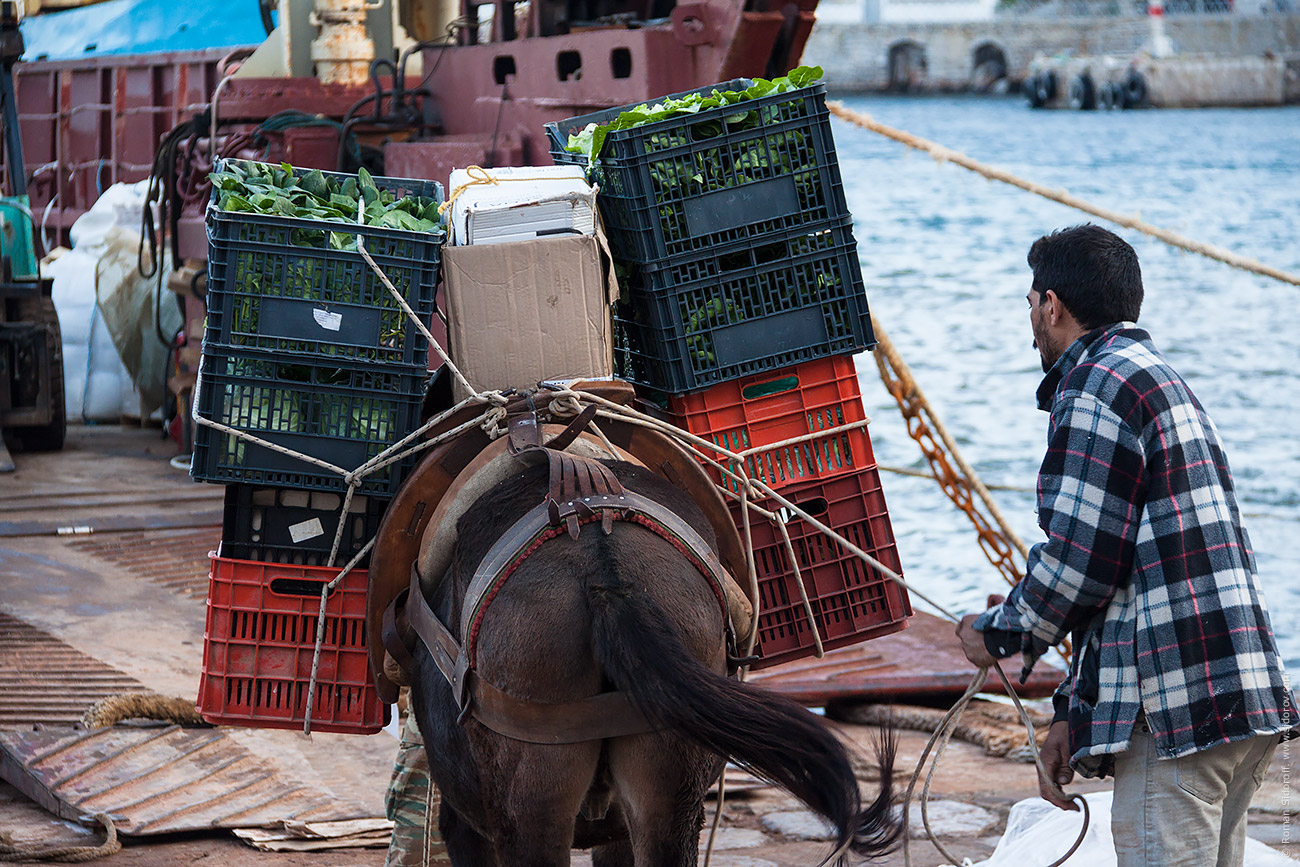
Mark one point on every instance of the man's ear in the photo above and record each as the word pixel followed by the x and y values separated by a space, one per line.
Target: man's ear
pixel 1053 307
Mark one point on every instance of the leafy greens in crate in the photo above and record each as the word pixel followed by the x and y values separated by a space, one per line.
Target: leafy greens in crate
pixel 276 191
pixel 311 199
pixel 592 138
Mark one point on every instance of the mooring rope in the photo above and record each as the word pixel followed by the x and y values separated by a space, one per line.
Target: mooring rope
pixel 1132 221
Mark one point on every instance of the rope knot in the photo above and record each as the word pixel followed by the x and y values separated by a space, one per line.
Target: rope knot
pixel 492 419
pixel 478 176
pixel 565 406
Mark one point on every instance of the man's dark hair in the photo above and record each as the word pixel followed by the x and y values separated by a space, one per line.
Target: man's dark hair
pixel 1094 272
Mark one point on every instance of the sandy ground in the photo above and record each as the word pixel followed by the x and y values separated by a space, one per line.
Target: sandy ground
pixel 155 635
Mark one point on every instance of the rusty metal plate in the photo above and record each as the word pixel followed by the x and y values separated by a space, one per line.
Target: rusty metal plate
pixel 159 780
pixel 173 559
pixel 923 662
pixel 43 680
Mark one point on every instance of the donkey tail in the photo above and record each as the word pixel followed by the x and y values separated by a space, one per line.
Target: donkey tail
pixel 771 736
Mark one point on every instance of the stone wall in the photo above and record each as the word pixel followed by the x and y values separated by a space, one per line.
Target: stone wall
pixel 942 56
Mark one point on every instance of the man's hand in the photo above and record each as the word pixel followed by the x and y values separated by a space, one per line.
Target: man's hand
pixel 1055 754
pixel 972 642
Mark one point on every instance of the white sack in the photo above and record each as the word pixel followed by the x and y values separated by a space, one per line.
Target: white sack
pixel 1039 833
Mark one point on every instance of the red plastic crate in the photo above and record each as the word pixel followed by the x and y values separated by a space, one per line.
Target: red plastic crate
pixel 258 646
pixel 851 601
pixel 770 408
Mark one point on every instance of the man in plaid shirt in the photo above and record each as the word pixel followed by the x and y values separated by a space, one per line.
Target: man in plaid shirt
pixel 1176 687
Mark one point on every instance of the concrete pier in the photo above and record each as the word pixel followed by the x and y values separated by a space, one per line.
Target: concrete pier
pixel 955 57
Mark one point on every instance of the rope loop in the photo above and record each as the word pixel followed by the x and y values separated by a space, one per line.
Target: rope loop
pixel 10 851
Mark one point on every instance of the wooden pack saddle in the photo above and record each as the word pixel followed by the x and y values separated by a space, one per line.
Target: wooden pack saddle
pixel 418 530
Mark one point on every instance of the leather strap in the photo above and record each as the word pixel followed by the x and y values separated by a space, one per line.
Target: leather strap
pixel 448 654
pixel 530 531
pixel 604 715
pixel 564 438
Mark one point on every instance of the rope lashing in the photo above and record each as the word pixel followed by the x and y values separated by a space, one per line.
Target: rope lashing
pixel 478 176
pixel 1131 221
pixel 747 489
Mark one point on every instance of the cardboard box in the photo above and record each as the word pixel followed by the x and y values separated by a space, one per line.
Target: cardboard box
pixel 528 311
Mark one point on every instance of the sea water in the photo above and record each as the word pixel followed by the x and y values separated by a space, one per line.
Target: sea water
pixel 943 259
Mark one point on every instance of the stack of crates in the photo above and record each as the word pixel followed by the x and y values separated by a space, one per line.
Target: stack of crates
pixel 304 347
pixel 742 307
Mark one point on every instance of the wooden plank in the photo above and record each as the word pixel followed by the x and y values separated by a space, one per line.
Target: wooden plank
pixel 922 663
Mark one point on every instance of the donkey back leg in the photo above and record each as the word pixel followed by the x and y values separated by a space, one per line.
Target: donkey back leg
pixel 465 846
pixel 661 782
pixel 532 794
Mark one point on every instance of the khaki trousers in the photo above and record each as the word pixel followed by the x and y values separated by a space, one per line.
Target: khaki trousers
pixel 1189 811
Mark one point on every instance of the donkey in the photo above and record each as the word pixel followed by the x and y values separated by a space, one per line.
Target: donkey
pixel 617 610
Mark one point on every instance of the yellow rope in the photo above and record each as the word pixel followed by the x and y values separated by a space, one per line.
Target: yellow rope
pixel 1132 221
pixel 479 176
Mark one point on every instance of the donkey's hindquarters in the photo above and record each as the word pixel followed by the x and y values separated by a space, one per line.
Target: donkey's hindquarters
pixel 626 611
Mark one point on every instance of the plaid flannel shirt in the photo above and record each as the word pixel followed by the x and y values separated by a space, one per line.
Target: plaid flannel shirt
pixel 1146 562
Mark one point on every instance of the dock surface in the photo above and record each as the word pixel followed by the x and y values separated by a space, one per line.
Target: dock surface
pixel 103 575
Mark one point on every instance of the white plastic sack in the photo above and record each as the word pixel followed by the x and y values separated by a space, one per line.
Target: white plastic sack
pixel 1039 833
pixel 96 385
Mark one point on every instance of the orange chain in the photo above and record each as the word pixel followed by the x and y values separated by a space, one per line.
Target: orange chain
pixel 998 542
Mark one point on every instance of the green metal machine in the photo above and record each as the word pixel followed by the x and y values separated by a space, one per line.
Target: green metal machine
pixel 32 413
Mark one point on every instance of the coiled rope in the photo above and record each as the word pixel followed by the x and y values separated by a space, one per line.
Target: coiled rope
pixel 731 464
pixel 10 852
pixel 1131 221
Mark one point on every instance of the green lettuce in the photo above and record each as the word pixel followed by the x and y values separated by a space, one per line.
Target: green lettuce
pixel 591 139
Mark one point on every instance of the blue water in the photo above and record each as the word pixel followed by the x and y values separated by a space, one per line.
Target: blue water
pixel 943 257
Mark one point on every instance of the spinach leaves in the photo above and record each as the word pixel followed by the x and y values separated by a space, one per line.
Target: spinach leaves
pixel 259 188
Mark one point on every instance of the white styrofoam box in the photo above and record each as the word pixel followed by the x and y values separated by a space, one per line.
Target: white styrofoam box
pixel 494 206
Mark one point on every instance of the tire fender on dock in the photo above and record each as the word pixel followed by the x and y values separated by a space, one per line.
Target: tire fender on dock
pixel 1046 89
pixel 1082 95
pixel 1135 90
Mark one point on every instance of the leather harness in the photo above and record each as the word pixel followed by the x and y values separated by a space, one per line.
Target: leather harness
pixel 582 491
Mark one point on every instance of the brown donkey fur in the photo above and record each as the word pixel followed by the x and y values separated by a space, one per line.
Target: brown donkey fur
pixel 625 611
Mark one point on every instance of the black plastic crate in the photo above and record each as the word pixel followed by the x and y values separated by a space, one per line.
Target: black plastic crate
pixel 341 414
pixel 300 286
pixel 706 320
pixel 282 525
pixel 716 179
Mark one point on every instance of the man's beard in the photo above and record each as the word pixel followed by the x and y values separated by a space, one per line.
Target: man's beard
pixel 1047 353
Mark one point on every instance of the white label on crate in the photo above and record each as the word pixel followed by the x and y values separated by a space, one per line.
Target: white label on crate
pixel 306 530
pixel 327 320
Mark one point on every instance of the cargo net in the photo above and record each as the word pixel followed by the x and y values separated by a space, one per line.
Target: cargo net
pixel 739 486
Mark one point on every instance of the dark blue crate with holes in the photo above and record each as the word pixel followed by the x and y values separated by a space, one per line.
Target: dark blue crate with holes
pixel 300 286
pixel 720 178
pixel 341 414
pixel 283 525
pixel 795 297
